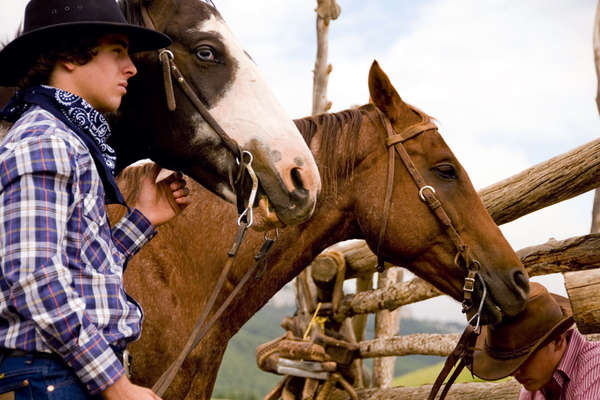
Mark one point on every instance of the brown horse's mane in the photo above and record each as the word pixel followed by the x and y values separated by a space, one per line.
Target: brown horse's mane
pixel 338 142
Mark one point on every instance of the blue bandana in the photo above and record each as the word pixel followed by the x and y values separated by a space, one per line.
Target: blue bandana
pixel 87 123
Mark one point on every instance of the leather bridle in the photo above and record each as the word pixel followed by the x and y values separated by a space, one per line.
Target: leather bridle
pixel 462 354
pixel 172 73
pixel 395 144
pixel 245 185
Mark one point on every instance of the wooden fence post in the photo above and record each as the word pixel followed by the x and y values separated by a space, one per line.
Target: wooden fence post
pixel 584 286
pixel 386 326
pixel 326 11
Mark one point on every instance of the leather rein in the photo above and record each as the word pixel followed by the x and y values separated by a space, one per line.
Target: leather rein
pixel 244 158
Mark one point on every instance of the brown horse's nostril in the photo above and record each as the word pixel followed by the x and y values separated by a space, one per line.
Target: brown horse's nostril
pixel 521 281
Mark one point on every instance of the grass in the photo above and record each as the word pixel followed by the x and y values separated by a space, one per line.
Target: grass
pixel 427 375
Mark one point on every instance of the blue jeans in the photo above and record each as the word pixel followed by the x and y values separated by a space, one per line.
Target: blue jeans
pixel 41 378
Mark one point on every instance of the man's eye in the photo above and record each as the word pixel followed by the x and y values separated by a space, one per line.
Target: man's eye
pixel 205 53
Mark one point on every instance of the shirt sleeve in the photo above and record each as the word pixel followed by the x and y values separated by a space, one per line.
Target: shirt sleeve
pixel 37 185
pixel 132 232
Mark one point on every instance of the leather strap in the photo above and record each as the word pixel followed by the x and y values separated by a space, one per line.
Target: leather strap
pixel 202 327
pixel 170 71
pixel 395 143
pixel 463 355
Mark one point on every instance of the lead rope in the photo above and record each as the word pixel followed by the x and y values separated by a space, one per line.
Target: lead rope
pixel 200 328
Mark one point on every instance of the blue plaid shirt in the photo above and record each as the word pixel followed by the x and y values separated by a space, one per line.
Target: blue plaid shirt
pixel 61 288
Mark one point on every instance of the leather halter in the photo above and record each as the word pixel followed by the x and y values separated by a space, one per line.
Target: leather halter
pixel 395 143
pixel 462 354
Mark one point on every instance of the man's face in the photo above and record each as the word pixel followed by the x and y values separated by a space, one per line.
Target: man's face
pixel 102 81
pixel 537 371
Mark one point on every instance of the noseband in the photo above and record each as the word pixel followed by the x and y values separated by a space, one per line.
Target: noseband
pixel 395 144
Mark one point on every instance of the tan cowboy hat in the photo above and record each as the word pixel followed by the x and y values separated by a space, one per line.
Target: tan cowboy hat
pixel 501 349
pixel 47 19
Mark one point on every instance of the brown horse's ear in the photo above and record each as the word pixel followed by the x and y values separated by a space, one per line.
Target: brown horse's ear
pixel 383 94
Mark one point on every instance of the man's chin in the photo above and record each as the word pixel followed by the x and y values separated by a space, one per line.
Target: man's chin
pixel 530 385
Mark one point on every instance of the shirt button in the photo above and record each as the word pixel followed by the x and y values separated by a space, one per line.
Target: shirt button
pixel 50 388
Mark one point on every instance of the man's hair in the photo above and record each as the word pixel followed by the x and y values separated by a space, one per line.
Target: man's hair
pixel 79 50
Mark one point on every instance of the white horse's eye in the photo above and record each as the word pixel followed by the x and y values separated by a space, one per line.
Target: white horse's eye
pixel 205 53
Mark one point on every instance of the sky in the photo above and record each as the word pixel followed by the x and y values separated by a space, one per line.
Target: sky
pixel 511 84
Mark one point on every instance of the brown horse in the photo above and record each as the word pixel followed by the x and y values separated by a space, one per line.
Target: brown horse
pixel 230 87
pixel 173 276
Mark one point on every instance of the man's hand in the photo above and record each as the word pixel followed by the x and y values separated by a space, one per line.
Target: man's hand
pixel 123 389
pixel 160 202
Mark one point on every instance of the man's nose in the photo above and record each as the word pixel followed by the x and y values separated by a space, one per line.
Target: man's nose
pixel 130 69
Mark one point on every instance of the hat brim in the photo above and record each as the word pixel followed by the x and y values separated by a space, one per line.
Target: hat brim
pixel 489 368
pixel 18 56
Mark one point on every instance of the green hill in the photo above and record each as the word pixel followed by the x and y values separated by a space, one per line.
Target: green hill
pixel 240 379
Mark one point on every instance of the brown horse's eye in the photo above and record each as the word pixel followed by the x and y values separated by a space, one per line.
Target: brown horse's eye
pixel 446 171
pixel 205 53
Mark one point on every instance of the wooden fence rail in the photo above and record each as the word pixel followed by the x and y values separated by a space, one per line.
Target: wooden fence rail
pixel 573 254
pixel 460 391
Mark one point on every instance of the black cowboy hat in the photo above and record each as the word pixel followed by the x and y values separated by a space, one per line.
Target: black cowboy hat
pixel 47 19
pixel 501 349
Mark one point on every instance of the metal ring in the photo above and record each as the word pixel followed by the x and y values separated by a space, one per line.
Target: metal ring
pixel 421 195
pixel 237 160
pixel 252 197
pixel 169 53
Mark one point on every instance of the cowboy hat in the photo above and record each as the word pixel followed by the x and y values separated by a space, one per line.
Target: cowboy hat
pixel 47 19
pixel 501 349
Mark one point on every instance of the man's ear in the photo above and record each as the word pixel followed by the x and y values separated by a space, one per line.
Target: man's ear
pixel 561 341
pixel 68 65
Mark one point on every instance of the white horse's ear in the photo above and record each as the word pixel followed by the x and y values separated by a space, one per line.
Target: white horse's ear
pixel 164 174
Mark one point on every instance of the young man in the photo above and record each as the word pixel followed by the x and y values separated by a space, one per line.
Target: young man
pixel 541 350
pixel 65 319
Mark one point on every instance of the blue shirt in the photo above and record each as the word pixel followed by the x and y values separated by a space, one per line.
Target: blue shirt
pixel 61 283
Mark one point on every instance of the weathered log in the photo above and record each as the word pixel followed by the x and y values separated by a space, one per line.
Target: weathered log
pixel 386 326
pixel 596 44
pixel 359 322
pixel 550 182
pixel 326 11
pixel 573 254
pixel 506 390
pixel 360 261
pixel 426 344
pixel 583 288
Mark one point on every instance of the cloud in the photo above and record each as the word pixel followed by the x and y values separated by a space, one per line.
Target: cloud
pixel 10 18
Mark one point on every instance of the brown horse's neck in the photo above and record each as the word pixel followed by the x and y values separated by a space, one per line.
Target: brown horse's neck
pixel 334 140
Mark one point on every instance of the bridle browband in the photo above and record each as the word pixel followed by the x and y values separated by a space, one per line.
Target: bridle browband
pixel 395 144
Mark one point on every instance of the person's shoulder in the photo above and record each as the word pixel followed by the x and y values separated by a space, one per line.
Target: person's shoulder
pixel 39 128
pixel 587 354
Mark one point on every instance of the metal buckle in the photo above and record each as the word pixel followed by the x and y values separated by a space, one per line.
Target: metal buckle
pixel 422 196
pixel 469 285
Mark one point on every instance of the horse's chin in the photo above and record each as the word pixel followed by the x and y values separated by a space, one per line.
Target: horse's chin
pixel 491 314
pixel 265 218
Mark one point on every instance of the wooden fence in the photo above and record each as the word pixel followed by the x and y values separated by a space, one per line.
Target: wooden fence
pixel 547 183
